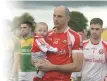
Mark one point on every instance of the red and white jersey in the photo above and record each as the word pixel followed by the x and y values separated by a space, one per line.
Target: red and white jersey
pixel 66 42
pixel 40 44
pixel 95 61
pixel 40 47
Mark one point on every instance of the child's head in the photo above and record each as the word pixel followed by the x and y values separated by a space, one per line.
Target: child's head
pixel 41 29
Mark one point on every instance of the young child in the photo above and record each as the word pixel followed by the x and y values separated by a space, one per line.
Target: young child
pixel 40 46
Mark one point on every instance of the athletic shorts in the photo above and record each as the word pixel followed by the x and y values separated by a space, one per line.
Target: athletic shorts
pixel 26 76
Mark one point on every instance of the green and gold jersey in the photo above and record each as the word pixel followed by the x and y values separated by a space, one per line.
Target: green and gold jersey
pixel 25 59
pixel 17 45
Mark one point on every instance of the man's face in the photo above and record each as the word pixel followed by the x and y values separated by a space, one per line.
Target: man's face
pixel 59 17
pixel 95 31
pixel 25 29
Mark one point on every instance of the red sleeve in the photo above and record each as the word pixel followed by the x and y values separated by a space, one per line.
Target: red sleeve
pixel 35 47
pixel 105 49
pixel 41 44
pixel 77 43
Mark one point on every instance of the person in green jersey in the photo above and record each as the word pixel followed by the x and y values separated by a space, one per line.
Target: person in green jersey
pixel 27 70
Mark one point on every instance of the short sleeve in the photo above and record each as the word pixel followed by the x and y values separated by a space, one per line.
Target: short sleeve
pixel 77 47
pixel 41 44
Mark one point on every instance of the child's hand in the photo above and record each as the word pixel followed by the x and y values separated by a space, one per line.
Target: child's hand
pixel 44 65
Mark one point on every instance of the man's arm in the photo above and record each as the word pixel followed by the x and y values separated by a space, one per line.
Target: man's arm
pixel 44 46
pixel 71 67
pixel 77 57
pixel 76 66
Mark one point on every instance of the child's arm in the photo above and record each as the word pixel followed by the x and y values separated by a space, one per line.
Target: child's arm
pixel 44 46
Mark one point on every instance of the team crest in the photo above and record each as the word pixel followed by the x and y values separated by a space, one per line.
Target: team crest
pixel 56 41
pixel 64 41
pixel 101 51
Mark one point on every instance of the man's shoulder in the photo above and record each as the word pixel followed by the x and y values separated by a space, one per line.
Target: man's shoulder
pixel 51 32
pixel 74 36
pixel 104 43
pixel 85 42
pixel 74 33
pixel 29 39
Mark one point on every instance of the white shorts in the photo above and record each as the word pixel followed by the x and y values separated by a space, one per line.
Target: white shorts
pixel 75 75
pixel 26 76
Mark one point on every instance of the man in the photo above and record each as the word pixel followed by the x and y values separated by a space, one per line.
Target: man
pixel 68 43
pixel 83 34
pixel 95 53
pixel 11 48
pixel 28 71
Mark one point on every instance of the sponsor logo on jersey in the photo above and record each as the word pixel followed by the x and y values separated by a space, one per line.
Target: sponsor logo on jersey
pixel 101 51
pixel 64 41
pixel 100 60
pixel 56 41
pixel 62 51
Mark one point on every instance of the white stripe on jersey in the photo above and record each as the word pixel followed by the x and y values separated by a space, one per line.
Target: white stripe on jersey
pixel 71 40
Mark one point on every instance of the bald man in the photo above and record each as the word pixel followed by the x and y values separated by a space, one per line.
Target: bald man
pixel 68 58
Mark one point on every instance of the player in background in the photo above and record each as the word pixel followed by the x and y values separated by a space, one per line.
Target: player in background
pixel 95 53
pixel 27 70
pixel 68 59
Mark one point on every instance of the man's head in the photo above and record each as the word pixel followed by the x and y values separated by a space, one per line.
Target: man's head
pixel 41 29
pixel 61 16
pixel 17 32
pixel 26 28
pixel 83 34
pixel 96 28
